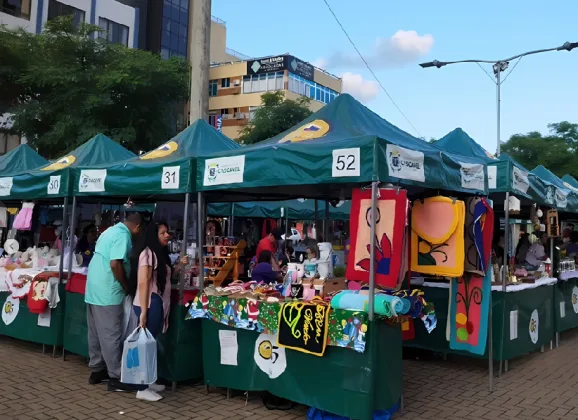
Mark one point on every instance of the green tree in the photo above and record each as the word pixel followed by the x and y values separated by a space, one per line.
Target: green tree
pixel 557 151
pixel 275 115
pixel 63 87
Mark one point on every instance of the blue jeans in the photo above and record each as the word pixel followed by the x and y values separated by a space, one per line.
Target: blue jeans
pixel 155 322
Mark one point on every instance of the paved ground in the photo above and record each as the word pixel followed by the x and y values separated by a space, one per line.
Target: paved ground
pixel 539 386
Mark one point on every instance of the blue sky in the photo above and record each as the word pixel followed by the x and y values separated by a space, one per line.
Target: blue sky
pixel 542 88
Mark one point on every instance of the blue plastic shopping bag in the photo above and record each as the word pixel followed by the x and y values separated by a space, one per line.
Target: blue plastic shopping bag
pixel 139 358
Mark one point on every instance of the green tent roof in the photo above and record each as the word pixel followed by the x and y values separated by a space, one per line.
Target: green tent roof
pixel 52 180
pixel 565 196
pixel 570 181
pixel 342 143
pixel 165 170
pixel 21 159
pixel 458 141
pixel 292 209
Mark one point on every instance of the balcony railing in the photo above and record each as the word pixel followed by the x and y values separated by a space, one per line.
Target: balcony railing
pixel 19 13
pixel 237 54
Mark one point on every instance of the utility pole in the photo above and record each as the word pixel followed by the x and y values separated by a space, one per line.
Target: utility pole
pixel 200 59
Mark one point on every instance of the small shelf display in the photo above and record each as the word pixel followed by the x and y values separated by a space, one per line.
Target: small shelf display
pixel 221 259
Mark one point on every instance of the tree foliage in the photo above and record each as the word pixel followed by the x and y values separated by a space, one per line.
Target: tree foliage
pixel 557 151
pixel 65 85
pixel 275 115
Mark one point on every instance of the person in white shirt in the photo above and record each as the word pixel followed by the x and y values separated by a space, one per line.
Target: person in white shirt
pixel 537 252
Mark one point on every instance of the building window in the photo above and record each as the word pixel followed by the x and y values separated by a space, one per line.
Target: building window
pixel 213 88
pixel 225 83
pixel 263 82
pixel 224 111
pixel 18 8
pixel 174 36
pixel 55 9
pixel 312 90
pixel 113 32
pixel 252 110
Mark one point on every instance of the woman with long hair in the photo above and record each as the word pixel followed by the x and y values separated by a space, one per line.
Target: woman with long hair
pixel 150 287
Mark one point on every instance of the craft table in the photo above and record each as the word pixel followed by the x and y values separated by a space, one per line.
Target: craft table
pixel 25 325
pixel 566 302
pixel 179 351
pixel 340 381
pixel 521 303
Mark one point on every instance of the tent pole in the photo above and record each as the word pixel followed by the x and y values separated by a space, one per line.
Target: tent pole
pixel 316 220
pixel 232 219
pixel 64 227
pixel 71 236
pixel 372 324
pixel 326 223
pixel 184 247
pixel 372 250
pixel 552 256
pixel 200 240
pixel 506 243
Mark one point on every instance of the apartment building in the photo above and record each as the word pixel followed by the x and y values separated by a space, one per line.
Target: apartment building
pixel 235 88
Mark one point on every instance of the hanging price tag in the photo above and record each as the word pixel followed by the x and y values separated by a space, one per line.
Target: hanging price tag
pixel 54 185
pixel 346 162
pixel 171 177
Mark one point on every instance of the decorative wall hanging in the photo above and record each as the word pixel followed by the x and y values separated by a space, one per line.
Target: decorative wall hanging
pixel 269 356
pixel 479 230
pixel 533 328
pixel 303 327
pixel 552 226
pixel 10 310
pixel 390 223
pixel 469 308
pixel 437 236
pixel 23 220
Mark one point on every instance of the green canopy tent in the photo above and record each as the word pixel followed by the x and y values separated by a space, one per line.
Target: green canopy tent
pixel 168 169
pixel 290 209
pixel 565 195
pixel 21 159
pixel 343 143
pixel 570 181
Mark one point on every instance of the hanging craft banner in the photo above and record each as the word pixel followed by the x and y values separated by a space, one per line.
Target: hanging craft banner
pixel 303 327
pixel 390 223
pixel 479 234
pixel 469 309
pixel 437 236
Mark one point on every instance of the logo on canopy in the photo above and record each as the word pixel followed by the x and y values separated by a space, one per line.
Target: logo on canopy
pixel 60 163
pixel 488 154
pixel 161 151
pixel 569 186
pixel 313 130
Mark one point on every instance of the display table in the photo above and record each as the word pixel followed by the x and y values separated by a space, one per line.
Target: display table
pixel 526 306
pixel 25 325
pixel 179 353
pixel 339 382
pixel 566 301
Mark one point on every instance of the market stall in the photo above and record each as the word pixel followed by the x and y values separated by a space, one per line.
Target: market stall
pixel 44 219
pixel 163 175
pixel 330 155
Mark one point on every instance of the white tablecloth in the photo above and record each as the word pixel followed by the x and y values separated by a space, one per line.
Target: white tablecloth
pixel 568 275
pixel 546 281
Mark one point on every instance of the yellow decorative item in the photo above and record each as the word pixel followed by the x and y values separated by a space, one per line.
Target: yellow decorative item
pixel 437 236
pixel 161 151
pixel 60 163
pixel 309 131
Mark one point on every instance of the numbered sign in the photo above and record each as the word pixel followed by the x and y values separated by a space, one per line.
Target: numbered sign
pixel 54 185
pixel 171 177
pixel 346 162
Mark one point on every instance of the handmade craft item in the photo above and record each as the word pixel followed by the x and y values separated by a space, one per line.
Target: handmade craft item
pixel 437 236
pixel 553 227
pixel 479 230
pixel 390 222
pixel 304 326
pixel 358 300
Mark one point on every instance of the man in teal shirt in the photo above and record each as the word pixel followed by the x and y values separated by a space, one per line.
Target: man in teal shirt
pixel 106 287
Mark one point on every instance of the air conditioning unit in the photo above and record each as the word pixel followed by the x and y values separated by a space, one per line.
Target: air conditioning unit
pixel 237 82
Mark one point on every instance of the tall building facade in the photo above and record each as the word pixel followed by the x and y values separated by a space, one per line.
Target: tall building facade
pixel 236 87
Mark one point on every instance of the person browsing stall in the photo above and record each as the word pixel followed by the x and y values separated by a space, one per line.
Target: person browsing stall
pixel 150 287
pixel 269 243
pixel 106 288
pixel 537 253
pixel 265 271
pixel 86 244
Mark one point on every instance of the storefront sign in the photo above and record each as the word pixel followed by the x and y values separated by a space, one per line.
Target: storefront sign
pixel 226 170
pixel 520 180
pixel 303 327
pixel 53 186
pixel 561 199
pixel 492 177
pixel 6 186
pixel 299 67
pixel 266 65
pixel 405 164
pixel 92 180
pixel 472 176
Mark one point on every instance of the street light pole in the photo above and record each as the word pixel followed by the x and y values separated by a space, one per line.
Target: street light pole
pixel 499 66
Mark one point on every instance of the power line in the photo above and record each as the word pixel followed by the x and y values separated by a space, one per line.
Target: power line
pixel 369 68
pixel 510 72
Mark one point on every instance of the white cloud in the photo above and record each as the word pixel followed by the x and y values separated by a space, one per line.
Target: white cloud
pixel 403 47
pixel 361 89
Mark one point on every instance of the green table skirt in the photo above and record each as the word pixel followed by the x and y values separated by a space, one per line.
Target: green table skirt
pixel 180 351
pixel 25 325
pixel 511 335
pixel 340 381
pixel 566 304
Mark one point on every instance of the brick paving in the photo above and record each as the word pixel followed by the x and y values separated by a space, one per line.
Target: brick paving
pixel 539 386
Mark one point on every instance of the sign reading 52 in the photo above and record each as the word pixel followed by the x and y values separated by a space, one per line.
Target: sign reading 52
pixel 346 162
pixel 170 179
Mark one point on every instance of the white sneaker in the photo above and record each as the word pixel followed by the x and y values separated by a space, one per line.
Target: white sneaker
pixel 148 395
pixel 157 387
